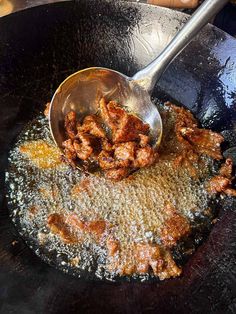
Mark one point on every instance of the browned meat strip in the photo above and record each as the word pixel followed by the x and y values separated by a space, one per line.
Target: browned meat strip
pixel 170 269
pixel 46 110
pixel 201 141
pixel 218 184
pixel 83 148
pixel 144 140
pixel 106 161
pixel 125 151
pixel 58 226
pixel 117 174
pixel 128 147
pixel 140 259
pixel 204 141
pixel 125 127
pixel 227 169
pixel 95 227
pixel 106 145
pixel 92 126
pixel 68 144
pixel 230 192
pixel 146 256
pixel 222 183
pixel 70 124
pixel 111 113
pixel 113 246
pixel 175 228
pixel 185 117
pixel 145 156
pixel 69 152
pixel 129 129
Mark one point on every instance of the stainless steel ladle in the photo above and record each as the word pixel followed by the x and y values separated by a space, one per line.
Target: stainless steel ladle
pixel 81 91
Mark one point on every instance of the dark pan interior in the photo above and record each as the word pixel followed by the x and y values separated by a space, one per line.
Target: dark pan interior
pixel 39 47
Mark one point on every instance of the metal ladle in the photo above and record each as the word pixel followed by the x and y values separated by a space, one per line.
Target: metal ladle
pixel 82 90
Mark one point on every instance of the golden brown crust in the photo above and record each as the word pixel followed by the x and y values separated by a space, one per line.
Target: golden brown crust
pixel 125 127
pixel 95 227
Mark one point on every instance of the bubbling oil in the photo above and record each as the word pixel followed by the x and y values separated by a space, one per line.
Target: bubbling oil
pixel 135 206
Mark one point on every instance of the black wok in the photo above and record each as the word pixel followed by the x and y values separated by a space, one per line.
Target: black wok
pixel 39 47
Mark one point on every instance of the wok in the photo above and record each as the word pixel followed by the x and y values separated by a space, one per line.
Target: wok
pixel 41 46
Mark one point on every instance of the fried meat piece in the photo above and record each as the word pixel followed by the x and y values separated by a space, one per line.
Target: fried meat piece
pixel 58 226
pixel 175 228
pixel 140 258
pixel 92 126
pixel 70 124
pixel 70 228
pixel 106 145
pixel 222 183
pixel 83 148
pixel 68 144
pixel 69 152
pixel 117 174
pixel 201 141
pixel 125 127
pixel 111 113
pixel 227 169
pixel 106 161
pixel 144 140
pixel 146 256
pixel 113 246
pixel 218 184
pixel 230 192
pixel 128 147
pixel 46 110
pixel 129 129
pixel 145 156
pixel 204 141
pixel 125 151
pixel 185 117
pixel 95 227
pixel 170 269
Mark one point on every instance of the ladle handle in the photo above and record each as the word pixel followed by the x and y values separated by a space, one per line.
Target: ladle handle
pixel 148 76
